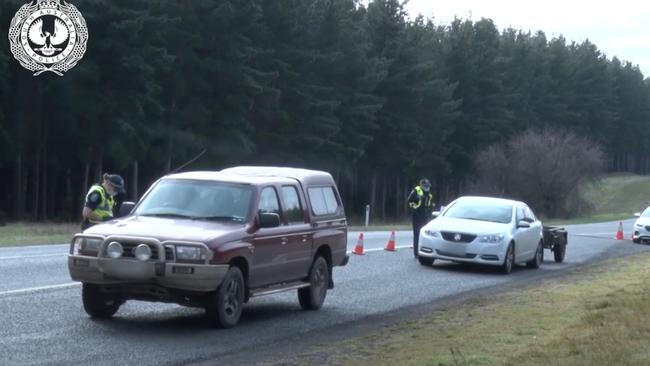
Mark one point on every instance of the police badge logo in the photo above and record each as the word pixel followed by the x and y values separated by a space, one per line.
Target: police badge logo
pixel 48 35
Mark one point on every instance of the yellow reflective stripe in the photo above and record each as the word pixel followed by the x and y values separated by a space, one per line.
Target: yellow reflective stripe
pixel 418 191
pixel 106 204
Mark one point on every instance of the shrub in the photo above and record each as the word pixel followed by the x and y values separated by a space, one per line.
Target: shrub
pixel 543 168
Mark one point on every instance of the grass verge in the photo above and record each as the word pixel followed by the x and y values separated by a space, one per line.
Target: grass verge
pixel 592 316
pixel 23 233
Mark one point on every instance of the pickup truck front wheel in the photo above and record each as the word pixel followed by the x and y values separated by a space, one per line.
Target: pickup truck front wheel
pixel 313 297
pixel 98 304
pixel 225 306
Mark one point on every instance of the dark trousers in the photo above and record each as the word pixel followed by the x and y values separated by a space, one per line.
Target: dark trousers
pixel 418 223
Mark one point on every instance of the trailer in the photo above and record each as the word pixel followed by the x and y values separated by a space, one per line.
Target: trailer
pixel 555 239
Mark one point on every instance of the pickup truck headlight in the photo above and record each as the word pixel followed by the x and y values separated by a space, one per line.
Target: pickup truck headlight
pixel 491 238
pixel 114 250
pixel 191 253
pixel 88 245
pixel 142 252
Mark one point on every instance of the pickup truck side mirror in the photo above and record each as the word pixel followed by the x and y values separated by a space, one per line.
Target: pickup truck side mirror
pixel 268 219
pixel 435 214
pixel 125 208
pixel 638 214
pixel 523 224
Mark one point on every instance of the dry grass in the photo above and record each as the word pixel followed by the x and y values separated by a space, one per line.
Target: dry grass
pixel 597 316
pixel 23 233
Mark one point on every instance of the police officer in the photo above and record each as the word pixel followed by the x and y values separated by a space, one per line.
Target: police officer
pixel 100 200
pixel 421 203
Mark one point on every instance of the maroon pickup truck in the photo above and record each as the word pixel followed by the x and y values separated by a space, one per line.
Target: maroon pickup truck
pixel 214 240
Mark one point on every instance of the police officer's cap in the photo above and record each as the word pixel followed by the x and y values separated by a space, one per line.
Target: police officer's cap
pixel 117 182
pixel 424 182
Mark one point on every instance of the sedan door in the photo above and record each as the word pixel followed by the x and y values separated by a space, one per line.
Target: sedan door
pixel 535 228
pixel 525 242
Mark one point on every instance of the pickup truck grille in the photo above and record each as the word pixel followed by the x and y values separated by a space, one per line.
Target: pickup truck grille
pixel 169 253
pixel 457 237
pixel 129 250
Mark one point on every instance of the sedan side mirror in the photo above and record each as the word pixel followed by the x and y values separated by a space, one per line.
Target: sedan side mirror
pixel 523 224
pixel 269 219
pixel 126 208
pixel 638 214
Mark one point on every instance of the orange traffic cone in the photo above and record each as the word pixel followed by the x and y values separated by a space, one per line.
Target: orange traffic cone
pixel 358 249
pixel 390 246
pixel 619 232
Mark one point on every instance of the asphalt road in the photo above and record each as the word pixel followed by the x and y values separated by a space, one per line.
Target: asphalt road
pixel 42 321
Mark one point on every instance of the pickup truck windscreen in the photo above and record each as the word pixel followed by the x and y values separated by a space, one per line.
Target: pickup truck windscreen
pixel 198 200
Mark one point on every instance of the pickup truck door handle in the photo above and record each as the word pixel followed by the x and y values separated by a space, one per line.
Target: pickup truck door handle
pixel 284 240
pixel 305 238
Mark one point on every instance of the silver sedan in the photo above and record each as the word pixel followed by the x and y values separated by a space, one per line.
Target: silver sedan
pixel 483 230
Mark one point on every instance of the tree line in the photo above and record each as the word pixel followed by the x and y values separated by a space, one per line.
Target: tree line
pixel 364 91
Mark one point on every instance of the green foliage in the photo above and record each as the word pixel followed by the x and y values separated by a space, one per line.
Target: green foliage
pixel 355 88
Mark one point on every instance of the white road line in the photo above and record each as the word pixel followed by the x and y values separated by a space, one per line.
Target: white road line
pixel 34 256
pixel 589 234
pixel 36 289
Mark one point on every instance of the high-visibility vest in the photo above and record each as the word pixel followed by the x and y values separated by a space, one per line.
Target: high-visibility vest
pixel 420 193
pixel 106 203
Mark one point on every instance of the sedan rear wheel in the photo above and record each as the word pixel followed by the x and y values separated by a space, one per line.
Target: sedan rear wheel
pixel 509 260
pixel 539 256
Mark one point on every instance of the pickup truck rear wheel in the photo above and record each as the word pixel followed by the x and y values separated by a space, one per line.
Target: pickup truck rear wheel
pixel 225 307
pixel 97 303
pixel 313 297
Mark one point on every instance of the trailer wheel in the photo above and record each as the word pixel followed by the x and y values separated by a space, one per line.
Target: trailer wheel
pixel 559 251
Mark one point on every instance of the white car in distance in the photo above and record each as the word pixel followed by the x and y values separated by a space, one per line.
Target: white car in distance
pixel 483 230
pixel 642 227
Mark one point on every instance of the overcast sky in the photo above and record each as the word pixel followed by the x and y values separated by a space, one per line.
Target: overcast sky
pixel 618 28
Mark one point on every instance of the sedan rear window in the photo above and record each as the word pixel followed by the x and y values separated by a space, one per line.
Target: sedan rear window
pixel 481 212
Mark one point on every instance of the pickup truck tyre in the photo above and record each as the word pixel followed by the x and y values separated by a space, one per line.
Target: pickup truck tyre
pixel 425 261
pixel 558 253
pixel 538 258
pixel 509 260
pixel 313 297
pixel 98 304
pixel 225 307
